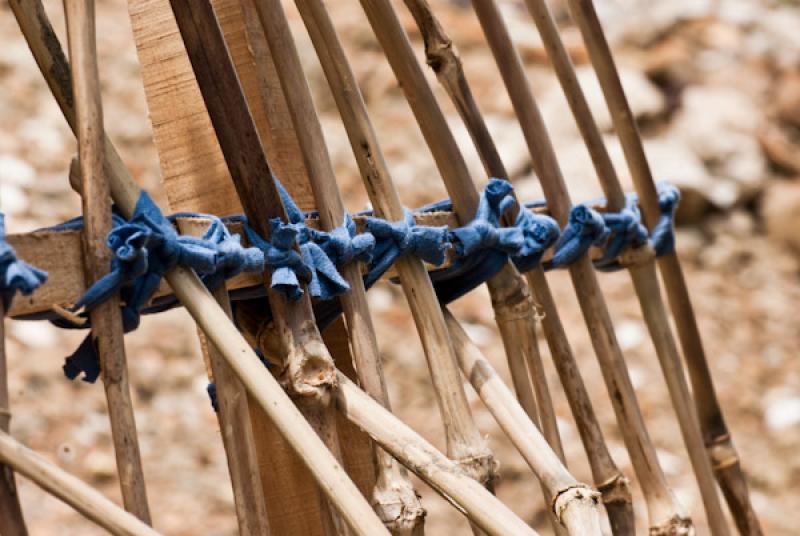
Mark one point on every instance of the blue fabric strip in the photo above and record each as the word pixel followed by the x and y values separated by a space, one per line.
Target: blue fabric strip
pixel 16 275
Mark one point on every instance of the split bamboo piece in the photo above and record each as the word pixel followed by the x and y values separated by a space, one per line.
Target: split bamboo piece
pixel 511 299
pixel 394 499
pixel 666 514
pixel 442 474
pixel 107 335
pixel 201 305
pixel 12 522
pixel 73 491
pixel 717 438
pixel 641 266
pixel 464 442
pixel 443 58
pixel 573 503
pixel 307 369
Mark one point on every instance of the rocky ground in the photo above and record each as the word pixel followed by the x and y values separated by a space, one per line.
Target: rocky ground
pixel 716 87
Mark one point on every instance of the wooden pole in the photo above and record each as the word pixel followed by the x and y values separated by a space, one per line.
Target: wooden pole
pixel 717 438
pixel 73 491
pixel 201 305
pixel 12 522
pixel 573 503
pixel 642 269
pixel 107 334
pixel 395 500
pixel 666 515
pixel 443 58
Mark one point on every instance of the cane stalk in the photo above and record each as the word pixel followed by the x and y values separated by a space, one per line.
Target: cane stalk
pixel 394 498
pixel 70 489
pixel 107 334
pixel 188 288
pixel 11 520
pixel 641 266
pixel 718 443
pixel 442 56
pixel 666 515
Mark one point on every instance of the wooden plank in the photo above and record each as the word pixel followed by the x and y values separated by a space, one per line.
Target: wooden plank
pixel 194 171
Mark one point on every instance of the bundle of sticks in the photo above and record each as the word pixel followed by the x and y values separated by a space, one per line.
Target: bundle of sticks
pixel 228 73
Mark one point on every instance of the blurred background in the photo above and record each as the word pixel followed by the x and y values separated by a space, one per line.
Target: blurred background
pixel 715 86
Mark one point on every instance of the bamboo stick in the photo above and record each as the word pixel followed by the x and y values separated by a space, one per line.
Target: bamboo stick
pixel 441 473
pixel 573 503
pixel 717 438
pixel 666 515
pixel 464 442
pixel 107 334
pixel 12 522
pixel 443 58
pixel 642 270
pixel 201 305
pixel 73 491
pixel 394 498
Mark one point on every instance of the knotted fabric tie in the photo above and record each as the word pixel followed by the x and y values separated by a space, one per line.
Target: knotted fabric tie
pixel 144 249
pixel 663 233
pixel 585 228
pixel 626 231
pixel 320 253
pixel 485 231
pixel 15 275
pixel 540 232
pixel 397 239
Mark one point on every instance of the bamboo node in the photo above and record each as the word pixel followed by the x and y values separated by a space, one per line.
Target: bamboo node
pixel 482 467
pixel 637 256
pixel 310 373
pixel 580 493
pixel 722 453
pixel 399 508
pixel 616 489
pixel 677 525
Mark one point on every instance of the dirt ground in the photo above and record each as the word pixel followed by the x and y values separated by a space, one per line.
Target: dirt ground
pixel 716 87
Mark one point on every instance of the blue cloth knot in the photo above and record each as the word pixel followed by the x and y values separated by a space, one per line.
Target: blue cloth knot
pixel 626 231
pixel 320 253
pixel 15 275
pixel 144 249
pixel 585 228
pixel 663 234
pixel 540 232
pixel 405 237
pixel 485 230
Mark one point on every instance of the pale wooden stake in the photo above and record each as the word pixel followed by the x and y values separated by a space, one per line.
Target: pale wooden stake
pixel 12 523
pixel 395 500
pixel 107 334
pixel 573 503
pixel 666 514
pixel 73 491
pixel 201 305
pixel 717 438
pixel 443 58
pixel 641 266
